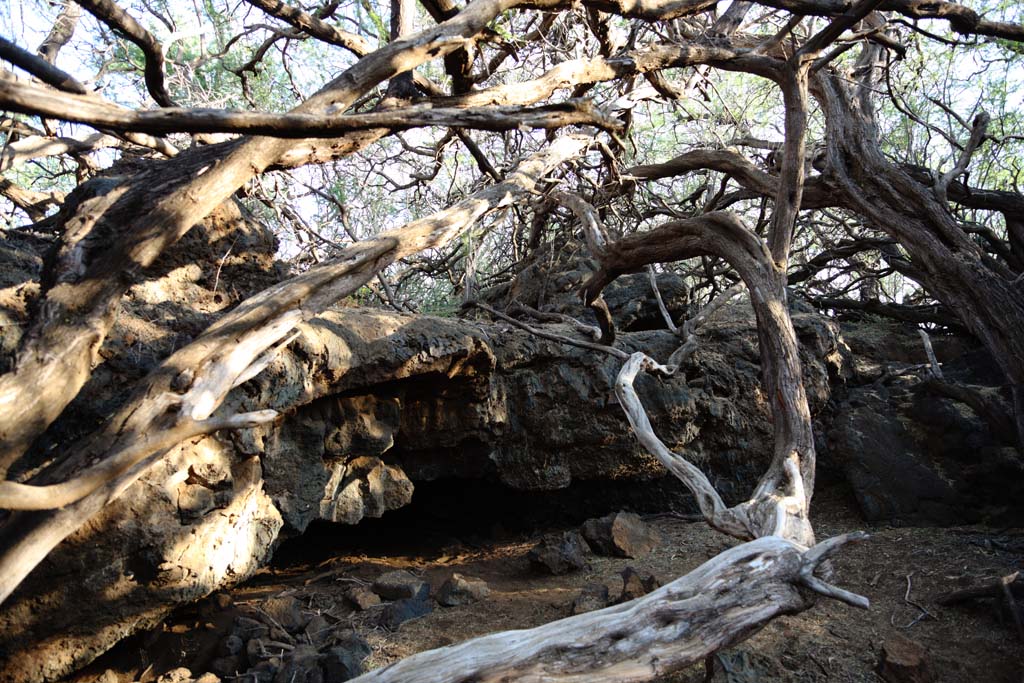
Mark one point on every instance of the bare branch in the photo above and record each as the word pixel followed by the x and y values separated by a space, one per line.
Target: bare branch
pixel 109 13
pixel 314 26
pixel 31 99
pixel 978 130
pixel 39 67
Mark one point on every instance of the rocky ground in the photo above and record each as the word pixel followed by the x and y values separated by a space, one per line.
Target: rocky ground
pixel 330 607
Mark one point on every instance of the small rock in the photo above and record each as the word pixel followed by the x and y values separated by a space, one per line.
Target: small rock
pixel 208 678
pixel 255 651
pixel 635 584
pixel 227 666
pixel 301 667
pixel 222 600
pixel 622 534
pixel 318 631
pixel 462 590
pixel 362 597
pixel 247 629
pixel 264 672
pixel 179 675
pixel 296 672
pixel 232 645
pixel 400 585
pixel 286 612
pixel 904 661
pixel 593 597
pixel 401 611
pixel 345 660
pixel 559 554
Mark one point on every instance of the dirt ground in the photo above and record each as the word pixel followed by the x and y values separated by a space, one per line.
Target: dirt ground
pixel 901 570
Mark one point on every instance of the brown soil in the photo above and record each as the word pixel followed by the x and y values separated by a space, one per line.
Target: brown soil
pixel 970 642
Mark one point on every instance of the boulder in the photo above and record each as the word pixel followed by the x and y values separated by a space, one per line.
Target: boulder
pixel 622 534
pixel 559 554
pixel 912 457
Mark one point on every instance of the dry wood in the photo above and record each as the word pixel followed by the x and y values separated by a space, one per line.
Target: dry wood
pixel 688 332
pixel 40 68
pixel 111 14
pixel 314 26
pixel 27 149
pixel 32 99
pixel 933 362
pixel 724 601
pixel 780 503
pixel 551 336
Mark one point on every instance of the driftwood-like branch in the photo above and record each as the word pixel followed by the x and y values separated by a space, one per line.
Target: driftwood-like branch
pixel 708 500
pixel 722 602
pixel 32 99
pixel 780 503
pixel 15 496
pixel 593 229
pixel 26 149
pixel 665 315
pixel 151 211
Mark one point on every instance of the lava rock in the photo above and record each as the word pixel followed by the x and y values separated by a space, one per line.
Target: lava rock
pixel 179 675
pixel 593 597
pixel 318 631
pixel 362 597
pixel 636 584
pixel 232 645
pixel 559 554
pixel 904 661
pixel 227 666
pixel 287 613
pixel 302 667
pixel 345 660
pixel 401 585
pixel 247 629
pixel 622 534
pixel 397 613
pixel 462 590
